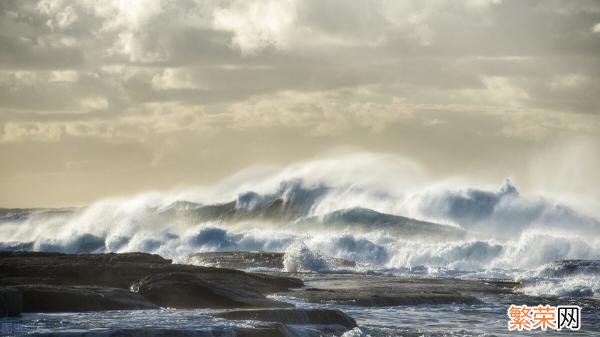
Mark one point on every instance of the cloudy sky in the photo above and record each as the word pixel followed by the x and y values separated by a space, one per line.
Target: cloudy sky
pixel 109 97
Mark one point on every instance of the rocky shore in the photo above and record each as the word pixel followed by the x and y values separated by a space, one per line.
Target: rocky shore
pixel 53 282
pixel 32 282
pixel 235 302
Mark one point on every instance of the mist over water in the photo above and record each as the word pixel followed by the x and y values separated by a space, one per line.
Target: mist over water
pixel 381 211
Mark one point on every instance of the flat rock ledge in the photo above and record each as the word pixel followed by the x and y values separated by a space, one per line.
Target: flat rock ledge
pixel 389 290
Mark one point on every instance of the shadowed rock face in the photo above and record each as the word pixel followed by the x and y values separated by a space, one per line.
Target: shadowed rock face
pixel 52 298
pixel 293 316
pixel 120 271
pixel 187 290
pixel 11 302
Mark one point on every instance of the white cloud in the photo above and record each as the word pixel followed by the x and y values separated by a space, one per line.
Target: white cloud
pixel 570 81
pixel 502 90
pixel 94 103
pixel 497 91
pixel 171 78
pixel 540 125
pixel 133 125
pixel 256 25
pixel 64 76
pixel 322 113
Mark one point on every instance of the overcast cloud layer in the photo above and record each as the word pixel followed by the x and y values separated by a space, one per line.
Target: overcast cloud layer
pixel 107 97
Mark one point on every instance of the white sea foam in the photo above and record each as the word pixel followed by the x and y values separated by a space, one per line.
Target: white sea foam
pixel 270 211
pixel 356 332
pixel 299 258
pixel 571 286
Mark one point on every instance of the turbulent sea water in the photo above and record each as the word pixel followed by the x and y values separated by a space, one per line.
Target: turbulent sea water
pixel 382 213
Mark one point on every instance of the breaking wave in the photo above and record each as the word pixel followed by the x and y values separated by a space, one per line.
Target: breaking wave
pixel 566 278
pixel 299 258
pixel 381 212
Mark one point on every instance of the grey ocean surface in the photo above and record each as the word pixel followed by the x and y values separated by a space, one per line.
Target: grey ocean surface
pixel 421 320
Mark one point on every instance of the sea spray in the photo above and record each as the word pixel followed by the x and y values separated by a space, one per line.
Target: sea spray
pixel 299 258
pixel 349 210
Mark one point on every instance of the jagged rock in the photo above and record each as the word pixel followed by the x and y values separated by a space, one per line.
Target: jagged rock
pixel 293 316
pixel 53 298
pixel 11 302
pixel 188 290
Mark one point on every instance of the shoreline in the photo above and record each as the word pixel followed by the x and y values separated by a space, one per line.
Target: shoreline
pixel 33 283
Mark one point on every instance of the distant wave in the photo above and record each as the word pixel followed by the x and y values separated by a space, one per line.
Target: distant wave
pixel 503 213
pixel 370 214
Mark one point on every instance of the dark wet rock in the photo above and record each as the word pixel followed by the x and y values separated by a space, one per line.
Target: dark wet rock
pixel 11 302
pixel 293 316
pixel 245 260
pixel 382 290
pixel 53 298
pixel 90 276
pixel 188 290
pixel 121 270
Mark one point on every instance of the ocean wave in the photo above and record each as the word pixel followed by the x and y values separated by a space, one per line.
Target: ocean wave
pixel 563 278
pixel 381 213
pixel 375 249
pixel 570 286
pixel 503 213
pixel 564 268
pixel 295 204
